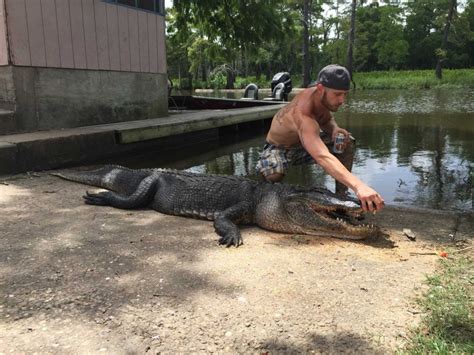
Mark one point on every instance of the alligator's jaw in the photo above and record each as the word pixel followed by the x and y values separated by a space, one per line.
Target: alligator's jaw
pixel 345 223
pixel 309 215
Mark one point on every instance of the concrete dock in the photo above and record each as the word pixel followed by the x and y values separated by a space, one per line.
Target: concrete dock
pixel 57 148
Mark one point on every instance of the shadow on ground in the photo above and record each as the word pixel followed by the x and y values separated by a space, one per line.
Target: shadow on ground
pixel 338 343
pixel 60 256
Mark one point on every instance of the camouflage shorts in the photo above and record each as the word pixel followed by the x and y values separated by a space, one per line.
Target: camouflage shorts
pixel 277 159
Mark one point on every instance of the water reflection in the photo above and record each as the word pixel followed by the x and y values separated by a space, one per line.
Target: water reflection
pixel 388 101
pixel 415 148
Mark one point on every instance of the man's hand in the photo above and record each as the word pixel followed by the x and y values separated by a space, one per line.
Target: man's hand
pixel 346 134
pixel 370 200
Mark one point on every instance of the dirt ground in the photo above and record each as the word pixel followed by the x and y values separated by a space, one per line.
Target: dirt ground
pixel 84 279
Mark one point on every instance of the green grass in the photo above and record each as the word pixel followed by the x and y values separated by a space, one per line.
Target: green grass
pixel 447 326
pixel 405 79
pixel 415 79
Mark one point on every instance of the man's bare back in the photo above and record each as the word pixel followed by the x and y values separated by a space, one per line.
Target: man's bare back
pixel 284 127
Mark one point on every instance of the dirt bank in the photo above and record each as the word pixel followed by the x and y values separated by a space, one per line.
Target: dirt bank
pixel 84 279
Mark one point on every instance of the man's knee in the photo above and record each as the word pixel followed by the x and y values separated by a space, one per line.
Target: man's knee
pixel 275 177
pixel 347 156
pixel 349 150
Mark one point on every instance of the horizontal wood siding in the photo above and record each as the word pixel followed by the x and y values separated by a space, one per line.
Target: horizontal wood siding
pixel 82 34
pixel 3 35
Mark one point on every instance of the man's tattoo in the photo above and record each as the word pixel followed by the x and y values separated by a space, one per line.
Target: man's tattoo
pixel 284 111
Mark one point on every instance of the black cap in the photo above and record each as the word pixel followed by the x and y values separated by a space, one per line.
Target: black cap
pixel 334 76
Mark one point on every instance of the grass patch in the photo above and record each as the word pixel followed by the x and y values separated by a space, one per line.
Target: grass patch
pixel 448 324
pixel 404 79
pixel 415 79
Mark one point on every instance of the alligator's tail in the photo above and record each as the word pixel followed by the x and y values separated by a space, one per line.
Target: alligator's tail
pixel 111 177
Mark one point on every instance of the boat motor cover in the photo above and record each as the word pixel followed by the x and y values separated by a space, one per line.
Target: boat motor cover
pixel 282 77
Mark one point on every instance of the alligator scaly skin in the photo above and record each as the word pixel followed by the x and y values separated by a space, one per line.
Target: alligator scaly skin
pixel 227 200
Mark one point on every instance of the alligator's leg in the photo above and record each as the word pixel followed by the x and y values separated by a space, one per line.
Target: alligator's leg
pixel 225 224
pixel 140 198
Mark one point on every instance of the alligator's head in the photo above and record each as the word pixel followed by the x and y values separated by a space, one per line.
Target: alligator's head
pixel 320 212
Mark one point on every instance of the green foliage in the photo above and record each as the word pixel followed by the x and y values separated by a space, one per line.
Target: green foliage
pixel 231 21
pixel 415 79
pixel 242 82
pixel 448 324
pixel 217 80
pixel 262 37
pixel 392 48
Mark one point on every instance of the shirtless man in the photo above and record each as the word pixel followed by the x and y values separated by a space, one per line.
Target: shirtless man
pixel 301 131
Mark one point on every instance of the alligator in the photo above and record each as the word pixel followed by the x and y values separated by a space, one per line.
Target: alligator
pixel 226 200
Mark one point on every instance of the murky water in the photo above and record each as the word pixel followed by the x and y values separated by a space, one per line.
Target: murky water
pixel 416 148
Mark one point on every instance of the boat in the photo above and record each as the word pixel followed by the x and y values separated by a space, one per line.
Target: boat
pixel 191 102
pixel 281 86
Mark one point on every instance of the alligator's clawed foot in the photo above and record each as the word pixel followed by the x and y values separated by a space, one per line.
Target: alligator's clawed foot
pixel 231 239
pixel 98 199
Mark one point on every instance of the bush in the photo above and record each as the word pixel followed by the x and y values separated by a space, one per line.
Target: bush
pixel 217 81
pixel 242 82
pixel 416 79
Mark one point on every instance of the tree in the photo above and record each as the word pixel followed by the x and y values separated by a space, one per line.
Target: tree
pixel 230 23
pixel 441 52
pixel 392 48
pixel 262 37
pixel 306 63
pixel 350 54
pixel 368 23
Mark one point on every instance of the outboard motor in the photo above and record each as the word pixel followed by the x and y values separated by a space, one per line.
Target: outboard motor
pixel 251 92
pixel 281 86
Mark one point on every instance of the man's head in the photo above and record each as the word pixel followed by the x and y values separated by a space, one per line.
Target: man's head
pixel 334 81
pixel 334 76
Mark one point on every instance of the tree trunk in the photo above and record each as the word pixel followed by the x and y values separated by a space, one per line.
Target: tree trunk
pixel 230 78
pixel 306 64
pixel 337 29
pixel 204 72
pixel 350 47
pixel 442 53
pixel 190 82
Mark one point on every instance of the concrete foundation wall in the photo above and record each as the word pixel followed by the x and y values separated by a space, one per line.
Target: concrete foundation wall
pixel 47 98
pixel 7 88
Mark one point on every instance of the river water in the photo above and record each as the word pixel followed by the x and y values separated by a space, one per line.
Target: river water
pixel 415 147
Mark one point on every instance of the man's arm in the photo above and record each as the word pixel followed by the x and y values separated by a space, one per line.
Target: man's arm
pixel 308 131
pixel 331 128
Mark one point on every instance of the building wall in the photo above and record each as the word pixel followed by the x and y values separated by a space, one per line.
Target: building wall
pixel 3 35
pixel 73 63
pixel 83 34
pixel 53 98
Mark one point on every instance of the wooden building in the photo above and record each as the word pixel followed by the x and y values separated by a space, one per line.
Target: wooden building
pixel 70 63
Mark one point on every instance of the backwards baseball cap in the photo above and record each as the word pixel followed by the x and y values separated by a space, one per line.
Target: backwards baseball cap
pixel 335 76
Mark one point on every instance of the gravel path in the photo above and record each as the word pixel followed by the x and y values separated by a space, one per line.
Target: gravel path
pixel 82 279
